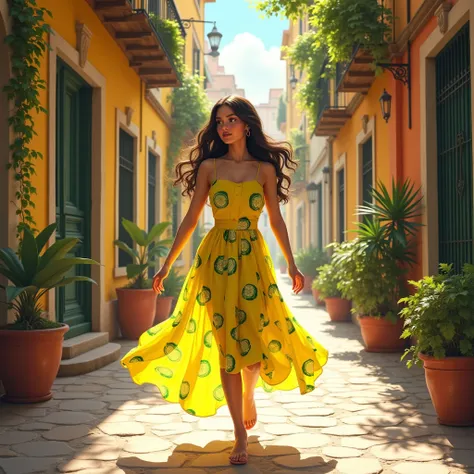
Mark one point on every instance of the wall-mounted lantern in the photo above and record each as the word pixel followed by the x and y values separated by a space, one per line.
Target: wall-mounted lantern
pixel 386 105
pixel 293 79
pixel 326 171
pixel 312 189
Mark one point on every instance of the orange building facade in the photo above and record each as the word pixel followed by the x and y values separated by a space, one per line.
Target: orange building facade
pixel 427 138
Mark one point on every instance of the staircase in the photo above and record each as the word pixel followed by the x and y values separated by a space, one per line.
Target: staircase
pixel 86 353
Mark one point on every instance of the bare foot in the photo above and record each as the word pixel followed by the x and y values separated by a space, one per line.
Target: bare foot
pixel 250 412
pixel 238 454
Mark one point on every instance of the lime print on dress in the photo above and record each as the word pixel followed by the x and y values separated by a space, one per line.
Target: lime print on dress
pixel 230 314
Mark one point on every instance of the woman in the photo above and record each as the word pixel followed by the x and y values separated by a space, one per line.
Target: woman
pixel 231 329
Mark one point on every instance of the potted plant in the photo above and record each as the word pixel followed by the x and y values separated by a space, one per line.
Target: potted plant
pixel 440 316
pixel 375 264
pixel 137 300
pixel 282 263
pixel 338 308
pixel 172 286
pixel 318 299
pixel 31 346
pixel 308 261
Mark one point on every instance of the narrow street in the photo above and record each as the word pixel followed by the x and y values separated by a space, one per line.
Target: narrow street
pixel 369 414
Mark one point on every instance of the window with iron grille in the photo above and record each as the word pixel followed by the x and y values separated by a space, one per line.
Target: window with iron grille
pixel 196 60
pixel 341 198
pixel 367 170
pixel 154 6
pixel 126 191
pixel 152 194
pixel 454 147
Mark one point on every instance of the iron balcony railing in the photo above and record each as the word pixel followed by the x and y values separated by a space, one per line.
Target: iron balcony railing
pixel 165 9
pixel 329 97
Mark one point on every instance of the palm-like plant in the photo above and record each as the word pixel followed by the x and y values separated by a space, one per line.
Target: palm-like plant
pixel 393 225
pixel 34 273
pixel 147 251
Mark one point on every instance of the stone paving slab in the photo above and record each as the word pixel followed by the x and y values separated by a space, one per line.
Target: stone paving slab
pixel 367 415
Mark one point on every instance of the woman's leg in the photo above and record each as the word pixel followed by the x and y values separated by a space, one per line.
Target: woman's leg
pixel 250 375
pixel 232 385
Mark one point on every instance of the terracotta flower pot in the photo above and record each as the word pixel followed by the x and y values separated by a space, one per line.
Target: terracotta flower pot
pixel 308 281
pixel 30 363
pixel 136 311
pixel 450 382
pixel 317 299
pixel 163 308
pixel 380 335
pixel 339 309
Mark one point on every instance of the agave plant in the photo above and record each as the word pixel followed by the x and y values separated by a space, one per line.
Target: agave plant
pixel 34 272
pixel 147 251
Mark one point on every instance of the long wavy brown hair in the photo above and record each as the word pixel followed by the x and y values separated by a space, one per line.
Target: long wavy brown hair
pixel 208 144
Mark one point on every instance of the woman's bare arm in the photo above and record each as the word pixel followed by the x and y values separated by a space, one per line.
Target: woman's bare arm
pixel 278 225
pixel 190 220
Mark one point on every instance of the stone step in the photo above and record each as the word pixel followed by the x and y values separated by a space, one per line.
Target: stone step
pixel 90 361
pixel 85 342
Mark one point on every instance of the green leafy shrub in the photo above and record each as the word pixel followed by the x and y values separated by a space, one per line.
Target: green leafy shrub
pixel 370 281
pixel 328 281
pixel 34 272
pixel 149 249
pixel 376 262
pixel 173 283
pixel 310 259
pixel 440 315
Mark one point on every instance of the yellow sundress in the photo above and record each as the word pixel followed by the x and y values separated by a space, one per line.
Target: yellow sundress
pixel 229 314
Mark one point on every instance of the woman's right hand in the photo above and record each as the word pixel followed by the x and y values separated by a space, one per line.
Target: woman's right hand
pixel 159 277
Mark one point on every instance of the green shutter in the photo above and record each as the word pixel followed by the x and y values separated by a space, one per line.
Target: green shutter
pixel 367 167
pixel 341 205
pixel 454 144
pixel 126 188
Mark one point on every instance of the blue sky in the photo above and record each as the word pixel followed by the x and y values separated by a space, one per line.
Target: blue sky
pixel 250 46
pixel 237 16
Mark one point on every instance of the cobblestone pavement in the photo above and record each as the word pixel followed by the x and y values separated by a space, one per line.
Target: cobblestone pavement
pixel 369 414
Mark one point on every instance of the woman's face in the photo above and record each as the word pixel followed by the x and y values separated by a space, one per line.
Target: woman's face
pixel 229 127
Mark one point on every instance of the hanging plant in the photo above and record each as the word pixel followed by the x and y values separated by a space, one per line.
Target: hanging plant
pixel 298 142
pixel 28 45
pixel 170 34
pixel 340 24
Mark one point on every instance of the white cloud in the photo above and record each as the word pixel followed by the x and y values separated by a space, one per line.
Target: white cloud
pixel 256 69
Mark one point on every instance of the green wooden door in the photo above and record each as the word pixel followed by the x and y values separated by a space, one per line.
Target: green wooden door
pixel 73 191
pixel 367 167
pixel 454 142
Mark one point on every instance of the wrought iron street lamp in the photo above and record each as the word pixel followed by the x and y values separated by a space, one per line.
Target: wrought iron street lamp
pixel 293 79
pixel 312 189
pixel 214 36
pixel 326 170
pixel 386 105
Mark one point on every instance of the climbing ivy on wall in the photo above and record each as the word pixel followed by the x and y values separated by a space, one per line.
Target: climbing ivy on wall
pixel 28 43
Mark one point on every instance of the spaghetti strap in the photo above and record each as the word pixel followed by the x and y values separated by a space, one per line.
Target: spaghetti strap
pixel 258 169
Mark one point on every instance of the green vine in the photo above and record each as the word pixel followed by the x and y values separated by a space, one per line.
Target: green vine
pixel 308 56
pixel 298 142
pixel 340 24
pixel 191 109
pixel 28 45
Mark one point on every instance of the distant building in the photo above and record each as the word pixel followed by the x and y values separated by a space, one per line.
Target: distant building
pixel 269 112
pixel 218 83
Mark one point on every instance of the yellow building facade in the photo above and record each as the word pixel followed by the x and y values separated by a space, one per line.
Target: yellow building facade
pixel 108 75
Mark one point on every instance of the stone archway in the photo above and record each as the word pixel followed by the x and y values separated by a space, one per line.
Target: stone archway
pixel 6 215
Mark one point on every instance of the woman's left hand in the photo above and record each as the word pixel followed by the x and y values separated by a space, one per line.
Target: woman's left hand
pixel 297 278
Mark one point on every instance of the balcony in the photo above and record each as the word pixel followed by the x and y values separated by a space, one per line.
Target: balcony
pixel 129 23
pixel 333 109
pixel 359 73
